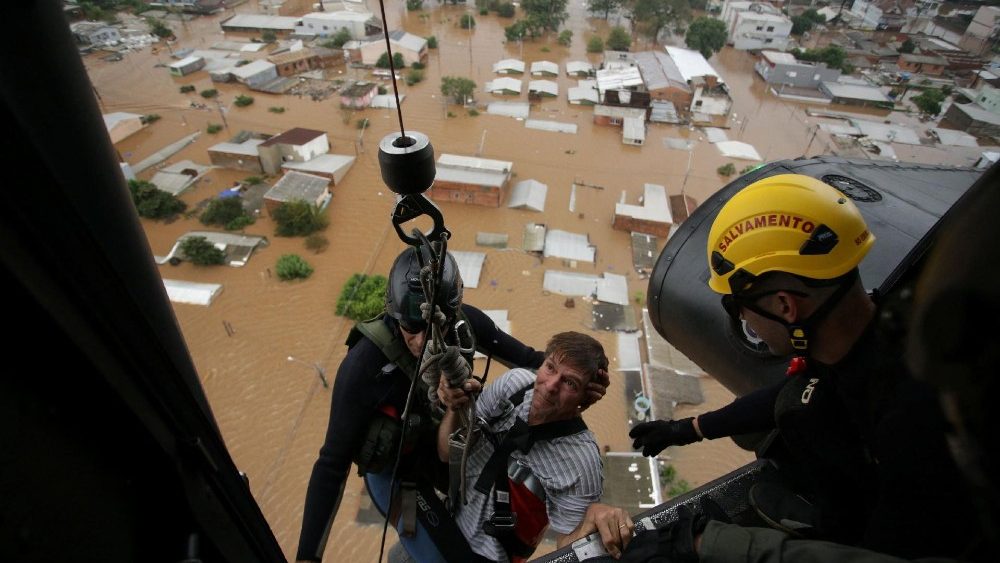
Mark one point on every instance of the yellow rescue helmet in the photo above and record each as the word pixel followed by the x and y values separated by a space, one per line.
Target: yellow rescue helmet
pixel 785 223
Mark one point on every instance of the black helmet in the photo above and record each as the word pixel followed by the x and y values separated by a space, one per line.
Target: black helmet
pixel 404 293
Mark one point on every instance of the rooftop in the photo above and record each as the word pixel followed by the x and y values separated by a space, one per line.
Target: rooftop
pixel 691 64
pixel 504 83
pixel 548 67
pixel 260 21
pixel 659 71
pixel 407 40
pixel 654 206
pixel 359 89
pixel 340 16
pixel 513 65
pixel 251 69
pixel 184 62
pixel 471 170
pixel 297 185
pixel 778 57
pixel 292 56
pixel 544 86
pixel 296 136
pixel 856 92
pixel 248 147
pixel 324 163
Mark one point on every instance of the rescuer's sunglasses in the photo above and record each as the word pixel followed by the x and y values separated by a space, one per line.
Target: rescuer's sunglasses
pixel 733 303
pixel 413 326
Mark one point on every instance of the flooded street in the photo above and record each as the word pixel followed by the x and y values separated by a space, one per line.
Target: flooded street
pixel 273 411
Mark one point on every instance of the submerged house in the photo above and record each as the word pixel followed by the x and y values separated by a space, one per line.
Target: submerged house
pixel 465 179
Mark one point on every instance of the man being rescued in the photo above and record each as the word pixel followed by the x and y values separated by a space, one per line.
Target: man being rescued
pixel 533 463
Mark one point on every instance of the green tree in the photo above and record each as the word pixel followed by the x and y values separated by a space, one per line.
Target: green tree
pixel 595 44
pixel 432 42
pixel 603 6
pixel 213 128
pixel 149 118
pixel 458 88
pixel 158 28
pixel 317 243
pixel 565 38
pixel 293 267
pixel 243 101
pixel 653 15
pixel 153 203
pixel 619 39
pixel 363 297
pixel 222 212
pixel 548 15
pixel 726 170
pixel 467 21
pixel 397 61
pixel 268 36
pixel 908 46
pixel 801 24
pixel 209 93
pixel 201 252
pixel 833 56
pixel 414 77
pixel 188 88
pixel 929 101
pixel 505 10
pixel 706 35
pixel 298 218
pixel 338 39
pixel 414 5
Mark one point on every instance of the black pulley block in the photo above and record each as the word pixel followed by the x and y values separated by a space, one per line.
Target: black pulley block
pixel 407 163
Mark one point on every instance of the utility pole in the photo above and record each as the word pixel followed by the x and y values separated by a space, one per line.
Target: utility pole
pixel 482 142
pixel 222 113
pixel 686 174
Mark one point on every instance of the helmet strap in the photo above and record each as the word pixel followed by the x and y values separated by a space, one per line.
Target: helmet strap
pixel 800 332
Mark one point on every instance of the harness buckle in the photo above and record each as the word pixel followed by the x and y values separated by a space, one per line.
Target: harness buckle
pixel 503 522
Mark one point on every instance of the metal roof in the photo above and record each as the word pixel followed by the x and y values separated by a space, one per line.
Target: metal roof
pixel 554 126
pixel 779 57
pixel 738 149
pixel 572 246
pixel 580 94
pixel 470 170
pixel 533 237
pixel 659 71
pixel 185 61
pixel 191 293
pixel 260 21
pixel 518 110
pixel 613 288
pixel 297 185
pixel 295 136
pixel 691 64
pixel 634 129
pixel 978 113
pixel 492 240
pixel 340 15
pixel 248 147
pixel 509 65
pixel 576 67
pixel 655 206
pixel 504 84
pixel 855 92
pixel 251 69
pixel 544 87
pixel 528 194
pixel 715 135
pixel 544 67
pixel 629 355
pixel 325 163
pixel 618 78
pixel 470 266
pixel 886 132
pixel 111 120
pixel 570 283
pixel 386 101
pixel 955 138
pixel 407 40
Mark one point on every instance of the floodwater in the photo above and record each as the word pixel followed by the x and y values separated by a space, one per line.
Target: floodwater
pixel 273 411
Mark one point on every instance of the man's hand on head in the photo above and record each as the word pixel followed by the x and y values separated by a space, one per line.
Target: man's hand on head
pixel 457 398
pixel 596 389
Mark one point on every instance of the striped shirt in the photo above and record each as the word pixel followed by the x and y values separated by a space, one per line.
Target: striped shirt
pixel 569 467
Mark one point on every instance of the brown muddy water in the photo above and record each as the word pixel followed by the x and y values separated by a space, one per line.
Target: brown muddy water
pixel 272 411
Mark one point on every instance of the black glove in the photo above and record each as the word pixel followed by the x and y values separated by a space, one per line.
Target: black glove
pixel 673 543
pixel 653 437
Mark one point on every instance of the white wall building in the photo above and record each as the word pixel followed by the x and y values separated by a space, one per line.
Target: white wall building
pixel 753 25
pixel 325 24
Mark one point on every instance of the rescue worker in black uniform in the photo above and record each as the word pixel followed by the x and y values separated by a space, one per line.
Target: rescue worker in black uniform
pixel 369 396
pixel 868 461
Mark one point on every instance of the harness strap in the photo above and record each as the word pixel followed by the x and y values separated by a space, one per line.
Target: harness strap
pixel 501 472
